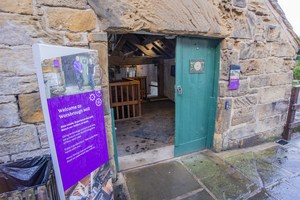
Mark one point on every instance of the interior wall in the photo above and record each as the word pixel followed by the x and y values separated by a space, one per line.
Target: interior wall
pixel 150 71
pixel 169 81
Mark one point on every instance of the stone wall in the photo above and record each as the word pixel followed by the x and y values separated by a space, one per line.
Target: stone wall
pixel 257 36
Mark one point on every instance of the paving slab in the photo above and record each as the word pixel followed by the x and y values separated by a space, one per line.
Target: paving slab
pixel 295 142
pixel 263 195
pixel 219 178
pixel 161 181
pixel 285 190
pixel 203 195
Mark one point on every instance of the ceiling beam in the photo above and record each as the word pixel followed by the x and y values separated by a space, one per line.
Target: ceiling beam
pixel 138 60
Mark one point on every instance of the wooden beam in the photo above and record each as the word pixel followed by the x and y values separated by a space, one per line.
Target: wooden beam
pixel 139 60
pixel 135 41
pixel 119 45
pixel 160 78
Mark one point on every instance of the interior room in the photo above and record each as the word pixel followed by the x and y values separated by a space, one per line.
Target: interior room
pixel 142 84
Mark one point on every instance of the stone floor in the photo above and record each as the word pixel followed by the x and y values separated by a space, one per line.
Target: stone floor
pixel 155 129
pixel 266 172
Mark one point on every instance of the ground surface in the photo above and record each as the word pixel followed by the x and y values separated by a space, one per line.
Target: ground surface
pixel 155 129
pixel 266 172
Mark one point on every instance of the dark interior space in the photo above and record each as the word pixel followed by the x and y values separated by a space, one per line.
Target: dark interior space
pixel 142 79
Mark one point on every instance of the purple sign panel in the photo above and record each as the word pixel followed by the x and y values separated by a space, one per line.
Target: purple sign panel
pixel 79 134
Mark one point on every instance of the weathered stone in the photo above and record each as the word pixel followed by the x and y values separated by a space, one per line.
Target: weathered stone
pixel 271 135
pixel 242 28
pixel 158 17
pixel 243 131
pixel 64 3
pixel 245 101
pixel 97 37
pixel 110 144
pixel 227 44
pixel 103 61
pixel 272 94
pixel 9 115
pixel 18 85
pixel 17 6
pixel 273 33
pixel 260 81
pixel 24 30
pixel 250 141
pixel 43 135
pixel 74 37
pixel 288 65
pixel 19 139
pixel 239 3
pixel 241 91
pixel 282 49
pixel 7 99
pixel 106 100
pixel 243 115
pixel 275 65
pixel 252 67
pixel 31 108
pixel 282 79
pixel 259 7
pixel 71 19
pixel 271 109
pixel 30 154
pixel 267 124
pixel 223 116
pixel 262 50
pixel 228 57
pixel 20 61
pixel 247 51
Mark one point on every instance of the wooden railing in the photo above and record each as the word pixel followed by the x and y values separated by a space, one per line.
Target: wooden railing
pixel 125 99
pixel 291 123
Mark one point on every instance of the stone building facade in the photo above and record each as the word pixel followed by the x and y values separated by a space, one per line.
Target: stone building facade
pixel 254 33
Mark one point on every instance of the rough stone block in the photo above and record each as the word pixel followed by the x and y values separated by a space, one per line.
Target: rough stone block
pixel 282 79
pixel 267 124
pixel 18 85
pixel 74 37
pixel 260 81
pixel 262 50
pixel 7 99
pixel 273 33
pixel 4 159
pixel 43 135
pixel 223 116
pixel 19 139
pixel 252 67
pixel 17 6
pixel 244 115
pixel 71 19
pixel 246 130
pixel 275 65
pixel 31 154
pixel 97 37
pixel 19 61
pixel 271 109
pixel 228 57
pixel 272 94
pixel 16 30
pixel 103 60
pixel 282 49
pixel 247 51
pixel 109 136
pixel 106 100
pixel 240 3
pixel 241 28
pixel 245 101
pixel 9 115
pixel 64 3
pixel 31 108
pixel 243 89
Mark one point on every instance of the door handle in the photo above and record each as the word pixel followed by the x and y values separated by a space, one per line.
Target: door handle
pixel 179 90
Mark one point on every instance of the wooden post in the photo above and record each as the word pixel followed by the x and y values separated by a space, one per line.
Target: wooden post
pixel 160 78
pixel 288 129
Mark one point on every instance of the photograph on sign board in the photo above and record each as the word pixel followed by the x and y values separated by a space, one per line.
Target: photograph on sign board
pixel 71 74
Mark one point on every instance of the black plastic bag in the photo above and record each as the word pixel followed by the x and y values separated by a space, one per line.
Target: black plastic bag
pixel 23 174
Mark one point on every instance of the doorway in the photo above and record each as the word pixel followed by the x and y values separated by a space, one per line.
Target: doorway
pixel 145 83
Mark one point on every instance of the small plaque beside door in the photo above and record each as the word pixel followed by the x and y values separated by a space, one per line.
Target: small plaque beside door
pixel 197 66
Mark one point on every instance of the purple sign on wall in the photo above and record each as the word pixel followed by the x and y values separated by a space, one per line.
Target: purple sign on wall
pixel 79 134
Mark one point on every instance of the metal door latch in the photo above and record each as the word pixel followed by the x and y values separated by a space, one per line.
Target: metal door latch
pixel 179 90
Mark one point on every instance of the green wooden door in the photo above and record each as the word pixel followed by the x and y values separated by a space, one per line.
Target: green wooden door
pixel 197 74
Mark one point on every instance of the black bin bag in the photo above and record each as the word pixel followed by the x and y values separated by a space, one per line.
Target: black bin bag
pixel 23 174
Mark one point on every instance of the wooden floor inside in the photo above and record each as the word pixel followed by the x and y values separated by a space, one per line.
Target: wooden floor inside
pixel 155 129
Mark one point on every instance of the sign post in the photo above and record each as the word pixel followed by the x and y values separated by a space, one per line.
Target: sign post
pixel 69 84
